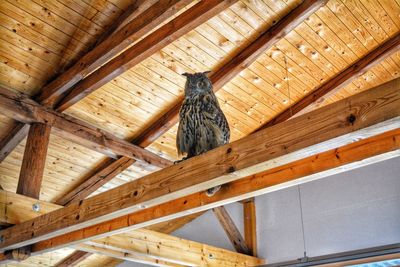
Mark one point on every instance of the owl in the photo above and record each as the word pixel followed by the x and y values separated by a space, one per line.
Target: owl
pixel 202 124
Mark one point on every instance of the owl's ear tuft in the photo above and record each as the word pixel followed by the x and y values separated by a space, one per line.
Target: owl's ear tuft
pixel 186 74
pixel 206 72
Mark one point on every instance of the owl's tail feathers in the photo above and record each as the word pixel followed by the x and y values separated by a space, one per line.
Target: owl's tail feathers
pixel 211 191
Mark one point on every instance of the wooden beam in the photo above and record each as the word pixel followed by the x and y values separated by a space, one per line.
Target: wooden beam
pixel 73 259
pixel 126 256
pixel 33 163
pixel 24 109
pixel 358 117
pixel 250 225
pixel 15 136
pixel 176 250
pixel 238 63
pixel 112 168
pixel 231 230
pixel 354 155
pixel 343 78
pixel 184 23
pixel 111 47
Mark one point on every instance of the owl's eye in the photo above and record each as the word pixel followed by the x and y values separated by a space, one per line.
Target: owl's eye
pixel 201 84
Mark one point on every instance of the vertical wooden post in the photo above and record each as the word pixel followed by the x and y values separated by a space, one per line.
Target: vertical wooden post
pixel 250 233
pixel 30 178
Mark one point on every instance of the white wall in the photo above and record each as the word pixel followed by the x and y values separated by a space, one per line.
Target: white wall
pixel 348 211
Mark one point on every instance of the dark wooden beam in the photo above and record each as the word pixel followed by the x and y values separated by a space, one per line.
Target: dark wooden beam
pixel 109 48
pixel 24 109
pixel 238 63
pixel 350 156
pixel 33 163
pixel 364 115
pixel 184 23
pixel 250 225
pixel 231 230
pixel 339 81
pixel 15 136
pixel 73 259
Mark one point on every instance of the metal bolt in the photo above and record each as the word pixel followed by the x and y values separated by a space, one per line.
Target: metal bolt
pixel 36 207
pixel 210 256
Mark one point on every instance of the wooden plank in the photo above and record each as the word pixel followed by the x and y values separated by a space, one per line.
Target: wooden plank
pixel 339 81
pixel 73 259
pixel 24 109
pixel 237 64
pixel 354 155
pixel 358 117
pixel 231 230
pixel 33 163
pixel 184 23
pixel 176 250
pixel 18 132
pixel 250 225
pixel 109 48
pixel 170 118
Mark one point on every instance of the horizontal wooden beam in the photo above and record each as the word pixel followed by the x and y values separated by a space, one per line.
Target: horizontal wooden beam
pixel 343 78
pixel 24 109
pixel 111 47
pixel 126 256
pixel 358 117
pixel 238 63
pixel 176 250
pixel 354 155
pixel 110 169
pixel 165 35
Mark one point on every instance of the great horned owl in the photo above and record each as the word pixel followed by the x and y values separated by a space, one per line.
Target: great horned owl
pixel 202 124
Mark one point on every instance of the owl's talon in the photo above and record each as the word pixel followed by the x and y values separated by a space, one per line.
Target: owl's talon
pixel 178 161
pixel 211 191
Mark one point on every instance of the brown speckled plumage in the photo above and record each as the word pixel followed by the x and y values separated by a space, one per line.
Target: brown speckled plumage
pixel 202 124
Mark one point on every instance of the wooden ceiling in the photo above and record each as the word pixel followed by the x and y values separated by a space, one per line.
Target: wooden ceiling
pixel 41 39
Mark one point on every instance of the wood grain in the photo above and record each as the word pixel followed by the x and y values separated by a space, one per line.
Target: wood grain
pixel 364 115
pixel 17 133
pixel 250 225
pixel 24 109
pixel 33 163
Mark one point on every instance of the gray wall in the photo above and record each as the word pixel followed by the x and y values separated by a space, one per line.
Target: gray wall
pixel 352 210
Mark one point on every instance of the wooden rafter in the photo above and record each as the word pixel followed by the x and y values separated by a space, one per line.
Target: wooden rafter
pixel 24 109
pixel 165 35
pixel 110 169
pixel 231 230
pixel 139 17
pixel 354 155
pixel 366 114
pixel 176 250
pixel 250 225
pixel 339 81
pixel 73 259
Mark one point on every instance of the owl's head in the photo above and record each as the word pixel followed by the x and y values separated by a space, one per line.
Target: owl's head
pixel 197 83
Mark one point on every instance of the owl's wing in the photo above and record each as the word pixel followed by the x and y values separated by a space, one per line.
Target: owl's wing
pixel 216 120
pixel 184 137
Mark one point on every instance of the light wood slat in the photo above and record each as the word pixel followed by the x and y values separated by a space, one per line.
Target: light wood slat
pixel 165 35
pixel 18 132
pixel 174 249
pixel 107 172
pixel 354 155
pixel 111 47
pixel 366 114
pixel 24 109
pixel 33 163
pixel 231 230
pixel 339 81
pixel 250 225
